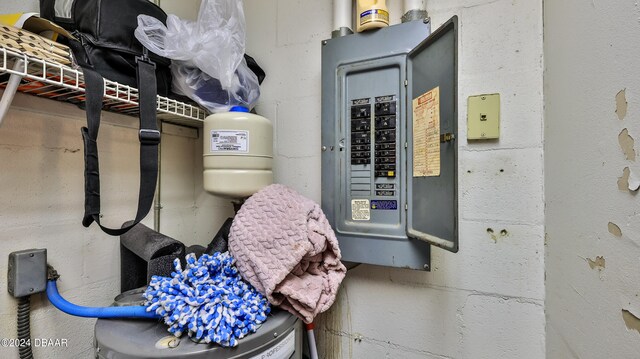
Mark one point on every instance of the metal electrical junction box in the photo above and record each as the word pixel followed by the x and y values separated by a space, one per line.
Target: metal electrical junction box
pixel 389 152
pixel 27 272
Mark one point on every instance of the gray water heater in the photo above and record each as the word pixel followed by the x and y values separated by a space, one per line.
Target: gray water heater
pixel 280 337
pixel 389 149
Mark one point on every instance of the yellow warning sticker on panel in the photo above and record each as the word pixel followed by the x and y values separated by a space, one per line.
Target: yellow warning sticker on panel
pixel 360 210
pixel 426 134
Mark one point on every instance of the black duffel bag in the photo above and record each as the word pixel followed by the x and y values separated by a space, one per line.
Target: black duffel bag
pixel 107 47
pixel 105 29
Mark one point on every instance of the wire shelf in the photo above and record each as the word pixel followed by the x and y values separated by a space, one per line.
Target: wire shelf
pixel 59 82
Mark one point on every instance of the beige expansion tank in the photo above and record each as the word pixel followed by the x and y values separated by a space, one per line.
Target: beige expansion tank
pixel 238 153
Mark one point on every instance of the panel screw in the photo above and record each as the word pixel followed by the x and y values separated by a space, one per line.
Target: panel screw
pixel 324 148
pixel 31 255
pixel 426 267
pixel 324 42
pixel 275 334
pixel 30 289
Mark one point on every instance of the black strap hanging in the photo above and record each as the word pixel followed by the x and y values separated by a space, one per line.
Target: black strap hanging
pixel 149 137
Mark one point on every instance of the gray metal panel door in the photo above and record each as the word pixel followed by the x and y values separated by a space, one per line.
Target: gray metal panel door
pixel 433 199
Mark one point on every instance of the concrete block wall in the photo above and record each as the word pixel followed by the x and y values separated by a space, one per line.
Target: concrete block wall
pixel 487 301
pixel 41 189
pixel 15 6
pixel 592 94
pixel 184 9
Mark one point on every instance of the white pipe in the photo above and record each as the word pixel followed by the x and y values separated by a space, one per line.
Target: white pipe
pixel 10 90
pixel 342 14
pixel 414 10
pixel 414 5
pixel 313 351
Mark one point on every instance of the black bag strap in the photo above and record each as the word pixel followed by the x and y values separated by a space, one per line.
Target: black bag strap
pixel 149 137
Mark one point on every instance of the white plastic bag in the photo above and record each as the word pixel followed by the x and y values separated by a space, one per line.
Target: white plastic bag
pixel 208 55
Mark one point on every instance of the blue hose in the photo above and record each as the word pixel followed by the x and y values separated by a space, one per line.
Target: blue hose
pixel 95 312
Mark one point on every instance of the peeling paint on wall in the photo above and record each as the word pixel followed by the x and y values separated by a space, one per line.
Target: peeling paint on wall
pixel 628 182
pixel 598 263
pixel 626 143
pixel 634 183
pixel 621 104
pixel 614 229
pixel 631 321
pixel 623 182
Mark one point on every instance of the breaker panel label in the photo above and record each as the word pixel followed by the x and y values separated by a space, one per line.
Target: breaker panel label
pixel 426 134
pixel 360 210
pixel 360 101
pixel 385 186
pixel 229 141
pixel 384 204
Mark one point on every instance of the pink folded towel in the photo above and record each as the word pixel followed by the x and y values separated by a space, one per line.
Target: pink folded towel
pixel 285 247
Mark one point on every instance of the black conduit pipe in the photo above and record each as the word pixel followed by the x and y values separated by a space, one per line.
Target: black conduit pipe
pixel 24 330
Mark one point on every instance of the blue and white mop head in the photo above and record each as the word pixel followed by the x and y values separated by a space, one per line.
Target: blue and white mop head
pixel 208 300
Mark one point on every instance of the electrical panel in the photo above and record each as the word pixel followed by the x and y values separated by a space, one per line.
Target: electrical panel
pixel 389 152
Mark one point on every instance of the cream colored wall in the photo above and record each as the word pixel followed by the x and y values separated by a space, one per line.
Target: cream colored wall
pixel 184 9
pixel 14 6
pixel 592 94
